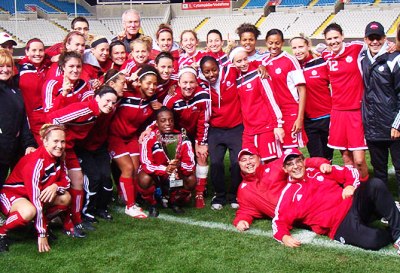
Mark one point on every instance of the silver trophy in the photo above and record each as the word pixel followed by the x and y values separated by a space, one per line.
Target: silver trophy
pixel 172 146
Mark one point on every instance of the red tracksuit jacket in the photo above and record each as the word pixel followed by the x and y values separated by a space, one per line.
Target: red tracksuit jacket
pixel 192 114
pixel 79 119
pixel 225 103
pixel 260 110
pixel 154 160
pixel 132 113
pixel 315 201
pixel 31 80
pixel 258 194
pixel 33 173
pixel 319 100
pixel 52 98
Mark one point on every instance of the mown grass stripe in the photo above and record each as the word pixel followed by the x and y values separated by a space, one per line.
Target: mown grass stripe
pixel 305 236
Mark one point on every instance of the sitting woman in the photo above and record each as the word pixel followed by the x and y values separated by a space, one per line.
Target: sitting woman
pixel 37 187
pixel 156 167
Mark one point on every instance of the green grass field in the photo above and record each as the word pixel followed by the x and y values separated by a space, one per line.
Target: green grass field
pixel 198 241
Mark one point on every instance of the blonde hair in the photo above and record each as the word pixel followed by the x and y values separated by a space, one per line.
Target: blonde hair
pixel 6 59
pixel 47 128
pixel 143 39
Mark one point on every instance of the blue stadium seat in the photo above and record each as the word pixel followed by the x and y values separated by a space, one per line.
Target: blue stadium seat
pixel 356 2
pixel 255 4
pixel 326 3
pixel 68 7
pixel 294 3
pixel 390 1
pixel 9 5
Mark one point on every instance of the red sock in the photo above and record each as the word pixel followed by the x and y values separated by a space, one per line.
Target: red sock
pixel 67 223
pixel 14 220
pixel 55 210
pixel 148 194
pixel 201 185
pixel 128 190
pixel 76 205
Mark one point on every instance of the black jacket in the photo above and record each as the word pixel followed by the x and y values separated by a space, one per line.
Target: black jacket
pixel 381 101
pixel 14 129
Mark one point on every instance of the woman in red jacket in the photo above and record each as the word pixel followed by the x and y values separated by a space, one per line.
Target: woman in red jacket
pixel 37 187
pixel 66 88
pixel 225 132
pixel 74 41
pixel 132 114
pixel 80 118
pixel 32 72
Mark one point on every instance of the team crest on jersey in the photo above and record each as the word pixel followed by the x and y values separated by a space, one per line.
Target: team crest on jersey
pixel 267 170
pixel 314 72
pixel 381 68
pixel 194 108
pixel 278 70
pixel 145 110
pixel 228 83
pixel 244 185
pixel 320 178
pixel 299 196
pixel 349 59
pixel 248 85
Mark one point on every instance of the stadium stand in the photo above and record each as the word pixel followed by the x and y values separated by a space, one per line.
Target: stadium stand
pixel 255 4
pixel 353 22
pixel 325 3
pixel 149 25
pixel 8 5
pixel 294 3
pixel 96 27
pixel 358 2
pixel 28 29
pixel 307 22
pixel 226 24
pixel 69 7
pixel 180 24
pixel 279 20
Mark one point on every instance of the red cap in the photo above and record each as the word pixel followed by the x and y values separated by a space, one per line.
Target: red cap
pixel 289 152
pixel 244 151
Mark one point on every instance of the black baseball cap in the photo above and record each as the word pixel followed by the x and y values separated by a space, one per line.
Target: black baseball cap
pixel 374 28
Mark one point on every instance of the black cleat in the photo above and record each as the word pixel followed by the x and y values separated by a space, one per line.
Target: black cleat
pixel 87 226
pixel 153 211
pixel 104 214
pixel 3 243
pixel 51 236
pixel 177 209
pixel 76 232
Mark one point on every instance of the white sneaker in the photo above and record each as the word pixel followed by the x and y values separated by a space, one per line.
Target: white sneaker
pixel 216 206
pixel 2 220
pixel 135 212
pixel 397 205
pixel 234 205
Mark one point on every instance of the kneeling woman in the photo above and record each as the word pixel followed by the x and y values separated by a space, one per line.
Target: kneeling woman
pixel 37 187
pixel 156 167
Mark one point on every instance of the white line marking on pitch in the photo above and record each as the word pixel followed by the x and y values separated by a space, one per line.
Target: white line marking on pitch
pixel 305 236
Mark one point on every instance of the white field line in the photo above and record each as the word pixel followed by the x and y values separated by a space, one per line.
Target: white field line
pixel 305 236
